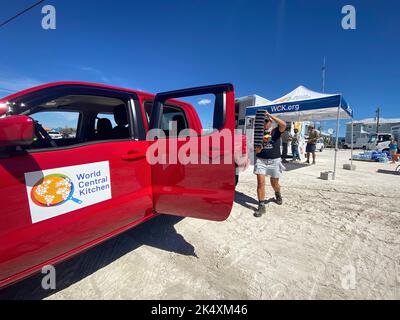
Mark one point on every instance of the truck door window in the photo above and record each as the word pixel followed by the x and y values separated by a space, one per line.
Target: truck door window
pixel 75 119
pixel 171 115
pixel 61 126
pixel 386 138
pixel 209 111
pixel 103 128
pixel 205 106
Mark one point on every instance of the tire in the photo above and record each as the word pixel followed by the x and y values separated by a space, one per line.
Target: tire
pixel 322 149
pixel 236 180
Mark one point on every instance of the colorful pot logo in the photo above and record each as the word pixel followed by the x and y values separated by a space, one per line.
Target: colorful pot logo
pixel 53 190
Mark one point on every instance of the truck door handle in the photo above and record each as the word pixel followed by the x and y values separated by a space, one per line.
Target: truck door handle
pixel 133 156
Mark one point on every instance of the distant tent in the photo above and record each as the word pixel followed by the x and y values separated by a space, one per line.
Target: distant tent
pixel 303 104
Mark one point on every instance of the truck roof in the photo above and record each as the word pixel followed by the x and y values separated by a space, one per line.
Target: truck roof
pixel 61 83
pixel 143 96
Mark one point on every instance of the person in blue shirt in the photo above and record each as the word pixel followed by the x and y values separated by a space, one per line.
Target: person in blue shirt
pixel 393 147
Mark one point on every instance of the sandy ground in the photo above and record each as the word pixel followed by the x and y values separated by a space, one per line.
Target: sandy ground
pixel 330 240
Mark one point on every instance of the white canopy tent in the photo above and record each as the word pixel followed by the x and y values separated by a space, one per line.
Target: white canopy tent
pixel 303 104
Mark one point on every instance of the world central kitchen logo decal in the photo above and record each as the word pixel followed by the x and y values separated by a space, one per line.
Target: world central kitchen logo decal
pixel 61 190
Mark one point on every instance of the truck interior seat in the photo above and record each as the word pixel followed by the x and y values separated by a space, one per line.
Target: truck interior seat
pixel 121 131
pixel 104 129
pixel 180 122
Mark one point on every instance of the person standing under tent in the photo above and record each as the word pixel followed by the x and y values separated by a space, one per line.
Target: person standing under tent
pixel 393 146
pixel 313 136
pixel 285 142
pixel 295 140
pixel 269 162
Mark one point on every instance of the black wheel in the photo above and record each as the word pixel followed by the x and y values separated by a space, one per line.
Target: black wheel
pixel 236 179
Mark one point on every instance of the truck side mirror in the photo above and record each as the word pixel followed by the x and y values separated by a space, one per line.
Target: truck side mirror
pixel 3 108
pixel 16 131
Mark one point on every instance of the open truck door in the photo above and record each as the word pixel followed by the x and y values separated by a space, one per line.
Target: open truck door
pixel 204 186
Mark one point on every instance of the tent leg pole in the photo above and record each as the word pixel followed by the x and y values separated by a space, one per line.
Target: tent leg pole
pixel 352 143
pixel 337 142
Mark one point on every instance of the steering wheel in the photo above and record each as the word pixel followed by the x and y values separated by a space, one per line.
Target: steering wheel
pixel 44 136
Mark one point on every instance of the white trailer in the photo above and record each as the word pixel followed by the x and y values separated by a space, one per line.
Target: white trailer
pixel 359 143
pixel 248 101
pixel 246 123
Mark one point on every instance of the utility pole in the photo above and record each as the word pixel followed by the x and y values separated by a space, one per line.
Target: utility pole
pixel 378 119
pixel 323 75
pixel 323 87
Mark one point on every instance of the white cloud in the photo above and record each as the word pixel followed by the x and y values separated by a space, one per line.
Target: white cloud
pixel 204 102
pixel 96 72
pixel 16 83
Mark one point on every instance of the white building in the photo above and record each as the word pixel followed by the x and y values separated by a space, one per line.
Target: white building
pixel 362 128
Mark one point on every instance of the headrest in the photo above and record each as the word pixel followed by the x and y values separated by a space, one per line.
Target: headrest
pixel 104 124
pixel 180 122
pixel 120 115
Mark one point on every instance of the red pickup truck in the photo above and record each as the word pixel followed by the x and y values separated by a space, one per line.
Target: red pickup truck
pixel 63 195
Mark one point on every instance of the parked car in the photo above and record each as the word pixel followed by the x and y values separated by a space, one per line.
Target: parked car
pixel 55 135
pixel 320 145
pixel 63 196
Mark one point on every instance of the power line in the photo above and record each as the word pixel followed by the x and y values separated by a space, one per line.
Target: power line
pixel 20 13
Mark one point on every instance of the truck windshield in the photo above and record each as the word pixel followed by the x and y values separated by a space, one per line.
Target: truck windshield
pixel 380 138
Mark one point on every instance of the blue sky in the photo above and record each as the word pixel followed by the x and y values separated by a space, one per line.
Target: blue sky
pixel 263 47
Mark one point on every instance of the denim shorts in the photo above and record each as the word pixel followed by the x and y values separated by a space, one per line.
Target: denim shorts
pixel 310 148
pixel 269 167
